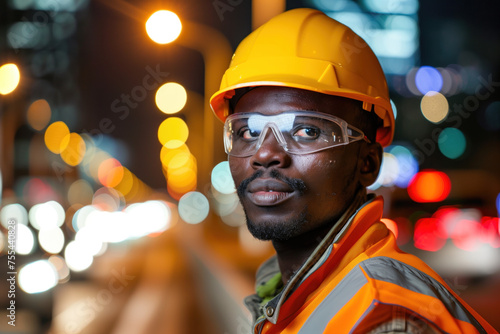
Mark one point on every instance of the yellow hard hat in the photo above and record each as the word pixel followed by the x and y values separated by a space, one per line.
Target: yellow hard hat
pixel 303 48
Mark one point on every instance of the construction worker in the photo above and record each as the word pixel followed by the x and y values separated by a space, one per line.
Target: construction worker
pixel 306 110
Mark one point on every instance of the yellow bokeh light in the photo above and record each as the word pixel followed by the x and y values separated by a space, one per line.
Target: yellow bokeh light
pixel 181 181
pixel 171 97
pixel 173 130
pixel 434 107
pixel 9 78
pixel 74 151
pixel 39 114
pixel 167 153
pixel 126 183
pixel 55 136
pixel 181 160
pixel 163 26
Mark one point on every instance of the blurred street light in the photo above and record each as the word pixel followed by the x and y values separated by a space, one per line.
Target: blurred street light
pixel 163 26
pixel 9 78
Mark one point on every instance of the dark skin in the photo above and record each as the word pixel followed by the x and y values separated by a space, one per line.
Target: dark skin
pixel 331 177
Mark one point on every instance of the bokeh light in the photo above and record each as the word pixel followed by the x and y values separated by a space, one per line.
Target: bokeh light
pixel 38 114
pixel 9 78
pixel 427 235
pixel 389 171
pixel 25 240
pixel 80 192
pixel 193 207
pixel 126 183
pixel 452 143
pixel 77 257
pixel 109 225
pixel 163 26
pixel 51 240
pixel 92 242
pixel 167 154
pixel 428 79
pixel 60 266
pixel 224 204
pixel 181 181
pixel 38 276
pixel 15 212
pixel 429 186
pixel 110 172
pixel 171 97
pixel 434 107
pixel 80 217
pixel 74 149
pixel 108 199
pixel 47 215
pixel 221 178
pixel 408 165
pixel 173 132
pixel 55 137
pixel 154 217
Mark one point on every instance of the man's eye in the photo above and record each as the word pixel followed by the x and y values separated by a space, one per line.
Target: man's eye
pixel 248 134
pixel 307 133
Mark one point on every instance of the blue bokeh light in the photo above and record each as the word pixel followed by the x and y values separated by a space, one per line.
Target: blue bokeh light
pixel 408 165
pixel 428 79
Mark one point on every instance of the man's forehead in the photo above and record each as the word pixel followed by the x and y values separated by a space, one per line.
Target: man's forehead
pixel 273 100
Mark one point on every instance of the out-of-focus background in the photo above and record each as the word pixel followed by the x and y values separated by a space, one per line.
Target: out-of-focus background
pixel 118 214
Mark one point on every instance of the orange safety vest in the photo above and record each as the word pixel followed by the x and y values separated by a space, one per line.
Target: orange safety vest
pixel 362 273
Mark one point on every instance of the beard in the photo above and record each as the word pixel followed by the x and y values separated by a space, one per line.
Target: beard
pixel 276 229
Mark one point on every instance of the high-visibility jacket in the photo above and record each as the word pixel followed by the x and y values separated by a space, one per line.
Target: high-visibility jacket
pixel 352 284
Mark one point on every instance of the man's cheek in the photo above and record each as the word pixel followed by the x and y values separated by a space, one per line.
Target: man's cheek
pixel 237 166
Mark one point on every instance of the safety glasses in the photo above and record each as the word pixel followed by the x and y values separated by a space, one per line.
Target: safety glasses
pixel 298 132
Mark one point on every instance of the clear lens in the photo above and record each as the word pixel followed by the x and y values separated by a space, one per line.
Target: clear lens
pixel 298 132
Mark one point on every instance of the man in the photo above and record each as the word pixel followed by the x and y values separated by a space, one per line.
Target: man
pixel 307 111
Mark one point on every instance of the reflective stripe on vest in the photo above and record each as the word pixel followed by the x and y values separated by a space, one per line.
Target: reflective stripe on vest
pixel 377 268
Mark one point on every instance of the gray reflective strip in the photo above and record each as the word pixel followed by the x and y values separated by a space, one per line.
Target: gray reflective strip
pixel 410 278
pixel 336 299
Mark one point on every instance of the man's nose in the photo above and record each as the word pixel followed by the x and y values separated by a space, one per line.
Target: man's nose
pixel 270 153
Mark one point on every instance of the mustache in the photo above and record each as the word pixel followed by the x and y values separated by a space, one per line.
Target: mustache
pixel 296 184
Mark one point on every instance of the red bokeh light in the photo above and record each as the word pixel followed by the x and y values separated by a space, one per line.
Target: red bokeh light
pixel 427 235
pixel 429 186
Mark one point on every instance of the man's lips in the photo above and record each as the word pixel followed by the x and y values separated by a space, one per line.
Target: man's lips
pixel 268 192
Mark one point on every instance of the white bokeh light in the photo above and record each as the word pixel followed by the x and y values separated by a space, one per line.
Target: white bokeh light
pixel 14 211
pixel 47 215
pixel 91 240
pixel 221 178
pixel 193 207
pixel 51 240
pixel 38 276
pixel 77 256
pixel 25 241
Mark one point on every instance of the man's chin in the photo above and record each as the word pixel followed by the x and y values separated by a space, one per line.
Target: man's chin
pixel 275 230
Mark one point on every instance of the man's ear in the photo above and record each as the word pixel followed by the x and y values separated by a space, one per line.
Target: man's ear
pixel 370 159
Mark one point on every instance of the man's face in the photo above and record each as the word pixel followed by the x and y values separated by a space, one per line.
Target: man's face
pixel 286 195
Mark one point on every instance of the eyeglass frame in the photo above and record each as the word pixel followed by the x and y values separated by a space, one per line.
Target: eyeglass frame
pixel 344 126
